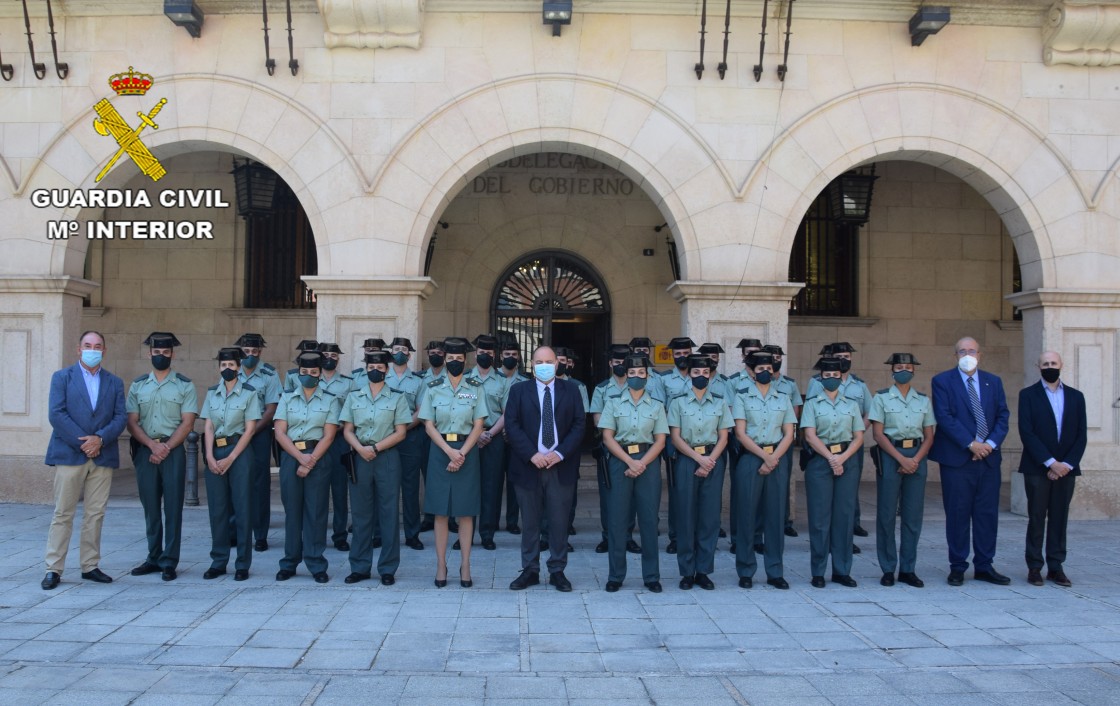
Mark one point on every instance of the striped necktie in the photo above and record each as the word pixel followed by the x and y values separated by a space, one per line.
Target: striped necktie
pixel 977 410
pixel 548 423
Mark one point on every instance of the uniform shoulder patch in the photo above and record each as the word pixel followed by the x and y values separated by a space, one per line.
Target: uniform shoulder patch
pixel 615 396
pixel 247 386
pixel 717 395
pixel 855 377
pixel 328 394
pixel 475 382
pixel 435 382
pixel 393 389
pixel 182 377
pixel 744 390
pixel 883 391
pixel 141 378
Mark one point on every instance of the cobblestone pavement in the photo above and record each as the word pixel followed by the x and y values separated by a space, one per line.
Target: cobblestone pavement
pixel 143 641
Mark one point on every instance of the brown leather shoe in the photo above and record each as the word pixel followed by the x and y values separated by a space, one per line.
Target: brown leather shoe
pixel 1034 577
pixel 1059 577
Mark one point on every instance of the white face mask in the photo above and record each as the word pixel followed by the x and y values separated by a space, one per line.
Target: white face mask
pixel 967 363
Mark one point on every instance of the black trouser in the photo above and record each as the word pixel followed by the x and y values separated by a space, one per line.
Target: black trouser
pixel 1047 516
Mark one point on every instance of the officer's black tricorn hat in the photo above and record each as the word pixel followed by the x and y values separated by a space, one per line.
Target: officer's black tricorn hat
pixel 377 357
pixel 698 360
pixel 618 351
pixel 773 349
pixel 309 359
pixel 161 339
pixel 434 346
pixel 329 348
pixel 757 358
pixel 842 347
pixel 641 342
pixel 231 353
pixel 308 344
pixel 398 341
pixel 373 343
pixel 749 343
pixel 457 344
pixel 902 359
pixel 250 340
pixel 486 341
pixel 828 364
pixel 709 348
pixel 636 361
pixel 680 343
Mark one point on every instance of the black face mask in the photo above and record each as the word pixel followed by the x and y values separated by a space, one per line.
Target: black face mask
pixel 435 361
pixel 509 362
pixel 161 362
pixel 484 360
pixel 329 364
pixel 618 370
pixel 455 368
pixel 228 374
pixel 375 376
pixel 699 382
pixel 681 362
pixel 1051 375
pixel 845 365
pixel 777 365
pixel 561 369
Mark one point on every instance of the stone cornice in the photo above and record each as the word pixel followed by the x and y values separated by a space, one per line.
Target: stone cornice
pixel 372 24
pixel 683 291
pixel 47 284
pixel 1082 35
pixel 341 284
pixel 1080 298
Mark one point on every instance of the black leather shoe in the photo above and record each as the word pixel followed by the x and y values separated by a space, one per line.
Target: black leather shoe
pixel 376 543
pixel 98 576
pixel 759 548
pixel 633 547
pixel 560 581
pixel 569 547
pixel 613 586
pixel 213 573
pixel 671 547
pixel 388 579
pixel 513 529
pixel 571 530
pixel 911 579
pixel 1034 577
pixel 144 569
pixel 732 548
pixel 232 540
pixel 525 580
pixel 1059 577
pixel 601 547
pixel 452 526
pixel 426 526
pixel 50 581
pixel 686 583
pixel 284 574
pixel 543 545
pixel 856 549
pixel 704 582
pixel 355 577
pixel 991 576
pixel 779 583
pixel 654 586
pixel 169 575
pixel 956 578
pixel 241 575
pixel 440 583
pixel 722 533
pixel 887 580
pixel 342 545
pixel 322 577
pixel 261 545
pixel 844 580
pixel 817 582
pixel 790 532
pixel 488 545
pixel 746 582
pixel 414 543
pixel 859 531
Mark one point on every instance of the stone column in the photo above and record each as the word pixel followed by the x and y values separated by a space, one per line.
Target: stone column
pixel 1083 326
pixel 40 323
pixel 351 309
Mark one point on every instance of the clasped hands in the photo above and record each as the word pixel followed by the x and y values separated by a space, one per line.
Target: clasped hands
pixel 456 459
pixel 980 450
pixel 1058 469
pixel 543 461
pixel 306 463
pixel 704 466
pixel 91 445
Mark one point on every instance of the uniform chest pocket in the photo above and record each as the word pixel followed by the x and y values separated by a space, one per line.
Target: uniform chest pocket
pixel 383 414
pixel 894 406
pixel 918 407
pixel 776 405
pixel 237 406
pixel 319 408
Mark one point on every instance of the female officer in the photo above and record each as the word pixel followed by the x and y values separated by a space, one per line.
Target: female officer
pixel 374 420
pixel 698 423
pixel 764 422
pixel 634 430
pixel 833 427
pixel 231 410
pixel 453 411
pixel 306 422
pixel 902 423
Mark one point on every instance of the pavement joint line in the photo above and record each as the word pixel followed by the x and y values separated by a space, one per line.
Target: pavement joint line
pixel 316 690
pixel 733 691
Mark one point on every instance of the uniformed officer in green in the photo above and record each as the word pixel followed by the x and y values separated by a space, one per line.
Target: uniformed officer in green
pixel 291 378
pixel 676 381
pixel 903 424
pixel 616 383
pixel 454 410
pixel 370 345
pixel 634 429
pixel 161 406
pixel 640 345
pixel 698 427
pixel 264 379
pixel 232 411
pixel 833 428
pixel 788 387
pixel 565 365
pixel 338 384
pixel 436 358
pixel 511 368
pixel 764 426
pixel 415 445
pixel 721 384
pixel 491 443
pixel 738 380
pixel 306 424
pixel 375 419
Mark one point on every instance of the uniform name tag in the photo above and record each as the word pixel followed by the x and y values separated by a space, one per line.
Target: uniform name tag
pixel 301 445
pixel 700 449
pixel 633 448
pixel 451 437
pixel 907 443
pixel 768 449
pixel 836 448
pixel 220 443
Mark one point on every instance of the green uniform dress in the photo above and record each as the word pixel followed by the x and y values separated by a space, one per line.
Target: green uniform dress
pixel 829 497
pixel 306 499
pixel 425 451
pixel 598 402
pixel 340 386
pixel 160 407
pixel 698 499
pixel 266 382
pixel 412 450
pixel 904 421
pixel 228 495
pixel 453 411
pixel 634 425
pixel 378 482
pixel 756 494
pixel 492 457
pixel 857 391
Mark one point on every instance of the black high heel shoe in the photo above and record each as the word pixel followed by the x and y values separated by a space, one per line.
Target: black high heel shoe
pixel 440 583
pixel 465 583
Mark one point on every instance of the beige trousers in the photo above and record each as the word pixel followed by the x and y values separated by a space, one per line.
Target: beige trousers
pixel 70 483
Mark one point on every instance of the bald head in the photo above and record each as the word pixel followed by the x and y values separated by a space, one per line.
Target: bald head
pixel 968 346
pixel 544 354
pixel 1050 359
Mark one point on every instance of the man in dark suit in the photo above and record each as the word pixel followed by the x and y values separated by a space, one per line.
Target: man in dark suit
pixel 86 416
pixel 972 422
pixel 1054 430
pixel 544 425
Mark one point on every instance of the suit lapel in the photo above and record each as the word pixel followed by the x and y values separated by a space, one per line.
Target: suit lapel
pixel 77 380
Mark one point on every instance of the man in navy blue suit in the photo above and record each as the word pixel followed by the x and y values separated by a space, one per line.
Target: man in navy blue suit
pixel 544 424
pixel 86 416
pixel 972 423
pixel 1054 430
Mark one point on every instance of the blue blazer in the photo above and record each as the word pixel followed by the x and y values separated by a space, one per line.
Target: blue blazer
pixel 71 417
pixel 1039 430
pixel 956 425
pixel 523 424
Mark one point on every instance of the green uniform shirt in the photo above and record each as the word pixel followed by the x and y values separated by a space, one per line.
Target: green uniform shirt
pixel 764 415
pixel 836 421
pixel 721 385
pixel 454 410
pixel 408 384
pixel 603 390
pixel 228 412
pixel 340 385
pixel 375 418
pixel 853 388
pixel 699 419
pixel 582 392
pixel 161 405
pixel 265 381
pixel 674 384
pixel 496 388
pixel 902 417
pixel 306 417
pixel 788 387
pixel 634 422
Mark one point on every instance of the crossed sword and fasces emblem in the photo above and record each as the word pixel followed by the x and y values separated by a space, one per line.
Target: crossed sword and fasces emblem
pixel 110 122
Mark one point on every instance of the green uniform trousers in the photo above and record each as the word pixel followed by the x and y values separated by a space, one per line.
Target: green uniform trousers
pixel 162 487
pixel 699 503
pixel 627 496
pixel 911 489
pixel 373 501
pixel 762 502
pixel 305 515
pixel 831 518
pixel 227 497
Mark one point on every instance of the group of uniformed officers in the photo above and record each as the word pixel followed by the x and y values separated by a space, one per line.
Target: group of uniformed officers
pixel 361 442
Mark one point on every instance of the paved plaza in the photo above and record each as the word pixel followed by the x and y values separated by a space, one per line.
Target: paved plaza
pixel 143 641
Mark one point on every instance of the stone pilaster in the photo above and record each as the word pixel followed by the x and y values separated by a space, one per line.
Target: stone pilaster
pixel 351 309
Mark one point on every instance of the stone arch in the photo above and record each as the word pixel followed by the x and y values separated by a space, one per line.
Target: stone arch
pixel 622 128
pixel 1009 162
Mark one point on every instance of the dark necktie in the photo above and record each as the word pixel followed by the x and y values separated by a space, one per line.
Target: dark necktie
pixel 977 410
pixel 548 431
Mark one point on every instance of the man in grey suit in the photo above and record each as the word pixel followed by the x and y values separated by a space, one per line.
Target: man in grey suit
pixel 86 415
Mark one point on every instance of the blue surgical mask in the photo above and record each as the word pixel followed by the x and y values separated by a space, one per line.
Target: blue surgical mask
pixel 831 384
pixel 91 358
pixel 400 358
pixel 250 361
pixel 903 376
pixel 308 381
pixel 764 377
pixel 699 382
pixel 636 383
pixel 544 371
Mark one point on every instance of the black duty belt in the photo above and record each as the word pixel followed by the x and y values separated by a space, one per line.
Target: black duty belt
pixel 768 448
pixel 704 450
pixel 223 441
pixel 633 449
pixel 454 437
pixel 906 443
pixel 835 448
pixel 305 444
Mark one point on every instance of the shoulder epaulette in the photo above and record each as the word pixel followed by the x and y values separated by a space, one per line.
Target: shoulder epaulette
pixel 474 381
pixel 435 381
pixel 679 394
pixel 884 390
pixel 393 389
pixel 356 371
pixel 817 376
pixel 329 394
pixel 142 377
pixel 919 394
pixel 294 371
pixel 734 376
pixel 663 373
pixel 268 371
pixel 182 377
pixel 215 387
pixel 855 377
pixel 417 374
pixel 247 386
pixel 525 377
pixel 344 375
pixel 787 377
pixel 616 395
pixel 603 384
pixel 268 366
pixel 717 395
pixel 745 389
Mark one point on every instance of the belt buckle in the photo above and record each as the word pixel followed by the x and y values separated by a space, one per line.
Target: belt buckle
pixel 220 442
pixel 633 448
pixel 451 437
pixel 301 445
pixel 768 449
pixel 836 448
pixel 700 449
pixel 907 443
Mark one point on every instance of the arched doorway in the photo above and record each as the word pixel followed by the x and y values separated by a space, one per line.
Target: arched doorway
pixel 555 298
